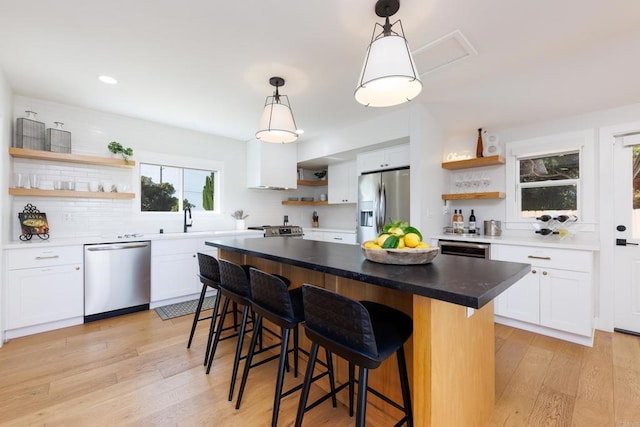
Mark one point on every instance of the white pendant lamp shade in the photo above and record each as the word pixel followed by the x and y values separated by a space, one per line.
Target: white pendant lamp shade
pixel 276 123
pixel 389 75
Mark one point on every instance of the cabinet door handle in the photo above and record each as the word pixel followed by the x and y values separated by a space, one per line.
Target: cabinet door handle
pixel 548 258
pixel 77 268
pixel 544 273
pixel 337 238
pixel 533 271
pixel 48 257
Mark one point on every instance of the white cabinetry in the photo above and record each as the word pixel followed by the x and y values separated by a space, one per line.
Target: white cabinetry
pixel 271 165
pixel 327 235
pixel 343 183
pixel 44 289
pixel 555 298
pixel 388 158
pixel 174 270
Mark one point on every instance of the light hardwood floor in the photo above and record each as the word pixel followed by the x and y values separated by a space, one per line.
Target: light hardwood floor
pixel 135 370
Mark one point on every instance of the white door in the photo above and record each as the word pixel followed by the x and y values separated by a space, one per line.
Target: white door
pixel 626 165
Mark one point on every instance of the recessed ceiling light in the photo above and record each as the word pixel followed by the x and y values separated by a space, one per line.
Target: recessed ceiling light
pixel 108 80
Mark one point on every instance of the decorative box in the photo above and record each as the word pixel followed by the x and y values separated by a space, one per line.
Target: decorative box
pixel 57 139
pixel 29 132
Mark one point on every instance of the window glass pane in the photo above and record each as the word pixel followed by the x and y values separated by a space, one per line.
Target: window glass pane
pixel 550 168
pixel 199 189
pixel 159 187
pixel 562 199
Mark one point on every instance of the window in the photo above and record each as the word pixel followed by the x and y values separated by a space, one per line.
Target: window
pixel 549 184
pixel 172 189
pixel 552 175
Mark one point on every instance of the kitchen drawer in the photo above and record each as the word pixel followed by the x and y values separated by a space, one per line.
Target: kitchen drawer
pixel 347 238
pixel 174 246
pixel 43 256
pixel 564 259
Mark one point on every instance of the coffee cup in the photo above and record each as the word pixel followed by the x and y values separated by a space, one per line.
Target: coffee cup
pixel 107 186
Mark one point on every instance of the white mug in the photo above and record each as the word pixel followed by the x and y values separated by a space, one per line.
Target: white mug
pixel 107 186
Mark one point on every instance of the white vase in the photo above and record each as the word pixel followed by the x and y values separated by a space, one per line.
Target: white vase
pixel 240 224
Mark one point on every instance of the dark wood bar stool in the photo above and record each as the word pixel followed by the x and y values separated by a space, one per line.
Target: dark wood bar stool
pixel 272 300
pixel 235 287
pixel 209 274
pixel 364 334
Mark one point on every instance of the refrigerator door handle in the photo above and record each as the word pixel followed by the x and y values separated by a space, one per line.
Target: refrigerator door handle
pixel 383 206
pixel 376 212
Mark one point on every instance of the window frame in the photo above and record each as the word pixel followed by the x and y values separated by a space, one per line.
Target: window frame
pixel 182 163
pixel 582 142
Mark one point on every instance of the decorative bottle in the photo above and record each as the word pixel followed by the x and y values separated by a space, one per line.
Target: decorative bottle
pixel 472 223
pixel 460 228
pixel 479 146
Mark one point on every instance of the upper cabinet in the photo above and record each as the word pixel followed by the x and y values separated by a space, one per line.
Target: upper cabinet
pixel 387 158
pixel 343 183
pixel 271 165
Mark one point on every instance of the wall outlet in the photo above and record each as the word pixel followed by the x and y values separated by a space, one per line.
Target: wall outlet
pixel 67 217
pixel 445 210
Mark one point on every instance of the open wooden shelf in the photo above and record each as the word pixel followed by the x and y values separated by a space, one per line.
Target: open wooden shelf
pixel 311 183
pixel 466 196
pixel 69 158
pixel 299 203
pixel 34 192
pixel 474 163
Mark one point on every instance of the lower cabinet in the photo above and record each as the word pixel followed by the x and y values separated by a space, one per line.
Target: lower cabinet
pixel 44 285
pixel 330 236
pixel 555 298
pixel 174 269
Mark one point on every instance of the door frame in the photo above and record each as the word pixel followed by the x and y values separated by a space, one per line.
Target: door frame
pixel 604 311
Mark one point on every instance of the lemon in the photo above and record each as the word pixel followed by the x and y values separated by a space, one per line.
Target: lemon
pixel 381 239
pixel 369 244
pixel 396 231
pixel 411 240
pixel 423 245
pixel 401 244
pixel 374 246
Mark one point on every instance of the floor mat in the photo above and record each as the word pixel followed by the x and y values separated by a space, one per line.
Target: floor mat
pixel 183 308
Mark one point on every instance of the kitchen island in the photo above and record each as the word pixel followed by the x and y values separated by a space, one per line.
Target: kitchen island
pixel 451 353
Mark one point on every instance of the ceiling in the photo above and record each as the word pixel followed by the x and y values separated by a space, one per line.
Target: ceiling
pixel 205 65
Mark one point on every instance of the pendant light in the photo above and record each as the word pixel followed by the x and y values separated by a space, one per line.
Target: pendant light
pixel 389 76
pixel 276 123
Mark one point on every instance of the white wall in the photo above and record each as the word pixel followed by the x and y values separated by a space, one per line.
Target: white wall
pixel 91 132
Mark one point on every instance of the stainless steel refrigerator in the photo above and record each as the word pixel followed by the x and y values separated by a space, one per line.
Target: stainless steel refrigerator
pixel 382 197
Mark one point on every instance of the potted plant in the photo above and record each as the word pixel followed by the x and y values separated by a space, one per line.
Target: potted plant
pixel 240 216
pixel 321 175
pixel 117 148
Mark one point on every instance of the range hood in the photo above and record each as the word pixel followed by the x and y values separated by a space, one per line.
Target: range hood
pixel 271 166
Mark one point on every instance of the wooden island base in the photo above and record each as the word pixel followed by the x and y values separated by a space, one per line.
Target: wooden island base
pixel 450 356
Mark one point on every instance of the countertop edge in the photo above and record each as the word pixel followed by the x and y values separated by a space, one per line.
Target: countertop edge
pixel 429 292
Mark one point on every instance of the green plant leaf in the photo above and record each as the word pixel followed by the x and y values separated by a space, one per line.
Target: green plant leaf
pixel 410 229
pixel 391 242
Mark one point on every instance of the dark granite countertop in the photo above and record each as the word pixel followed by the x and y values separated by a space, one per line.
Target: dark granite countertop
pixel 470 282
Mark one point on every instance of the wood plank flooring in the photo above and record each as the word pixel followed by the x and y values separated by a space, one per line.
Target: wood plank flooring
pixel 136 370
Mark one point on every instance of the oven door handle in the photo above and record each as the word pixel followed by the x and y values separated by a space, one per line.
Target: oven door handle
pixel 466 245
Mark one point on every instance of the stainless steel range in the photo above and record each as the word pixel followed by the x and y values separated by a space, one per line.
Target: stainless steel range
pixel 280 230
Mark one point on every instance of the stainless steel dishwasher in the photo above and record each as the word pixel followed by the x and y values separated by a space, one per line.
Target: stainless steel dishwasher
pixel 117 279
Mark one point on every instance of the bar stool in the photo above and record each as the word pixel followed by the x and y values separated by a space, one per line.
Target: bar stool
pixel 364 334
pixel 235 287
pixel 210 278
pixel 271 300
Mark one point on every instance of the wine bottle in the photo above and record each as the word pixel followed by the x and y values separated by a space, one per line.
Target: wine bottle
pixel 472 223
pixel 565 218
pixel 546 231
pixel 454 220
pixel 544 218
pixel 479 145
pixel 460 222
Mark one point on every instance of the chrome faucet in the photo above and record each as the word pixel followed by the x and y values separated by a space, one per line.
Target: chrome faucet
pixel 185 219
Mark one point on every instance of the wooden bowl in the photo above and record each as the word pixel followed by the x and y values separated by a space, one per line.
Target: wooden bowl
pixel 401 256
